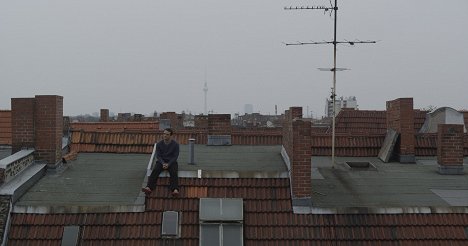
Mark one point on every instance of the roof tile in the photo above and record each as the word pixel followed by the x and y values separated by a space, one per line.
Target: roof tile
pixel 268 220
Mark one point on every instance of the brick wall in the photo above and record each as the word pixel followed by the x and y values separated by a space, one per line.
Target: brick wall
pixel 66 125
pixel 176 120
pixel 297 142
pixel 465 117
pixel 104 115
pixel 450 144
pixel 38 123
pixel 201 121
pixel 5 127
pixel 400 117
pixel 219 124
pixel 48 128
pixel 219 129
pixel 301 164
pixel 22 123
pixel 289 116
pixel 287 133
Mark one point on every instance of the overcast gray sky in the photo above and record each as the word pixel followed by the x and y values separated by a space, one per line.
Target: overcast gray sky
pixel 145 55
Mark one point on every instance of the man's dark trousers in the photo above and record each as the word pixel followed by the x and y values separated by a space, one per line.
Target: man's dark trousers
pixel 173 180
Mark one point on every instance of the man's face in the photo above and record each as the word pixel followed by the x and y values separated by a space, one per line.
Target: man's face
pixel 167 135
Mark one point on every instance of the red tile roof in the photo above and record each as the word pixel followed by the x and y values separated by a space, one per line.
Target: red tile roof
pixel 426 144
pixel 361 121
pixel 359 133
pixel 419 118
pixel 126 141
pixel 347 144
pixel 150 126
pixel 370 121
pixel 268 220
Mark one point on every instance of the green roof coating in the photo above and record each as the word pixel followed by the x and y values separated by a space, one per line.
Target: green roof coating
pixel 92 179
pixel 388 185
pixel 4 153
pixel 105 179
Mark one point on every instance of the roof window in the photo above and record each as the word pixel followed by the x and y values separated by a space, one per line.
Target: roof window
pixel 221 209
pixel 221 221
pixel 70 235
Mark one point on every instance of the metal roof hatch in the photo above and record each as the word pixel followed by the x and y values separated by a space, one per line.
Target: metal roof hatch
pixel 170 224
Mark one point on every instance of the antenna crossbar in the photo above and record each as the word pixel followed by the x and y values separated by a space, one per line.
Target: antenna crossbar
pixel 332 42
pixel 310 7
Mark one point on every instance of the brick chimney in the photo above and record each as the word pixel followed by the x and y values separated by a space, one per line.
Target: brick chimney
pixel 172 117
pixel 219 129
pixel 104 115
pixel 22 123
pixel 297 142
pixel 450 148
pixel 66 125
pixel 400 117
pixel 38 123
pixel 201 121
pixel 5 127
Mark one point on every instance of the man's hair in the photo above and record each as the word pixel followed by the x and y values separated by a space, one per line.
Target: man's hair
pixel 169 130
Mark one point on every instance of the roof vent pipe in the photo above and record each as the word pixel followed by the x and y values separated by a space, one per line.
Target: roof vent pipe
pixel 191 152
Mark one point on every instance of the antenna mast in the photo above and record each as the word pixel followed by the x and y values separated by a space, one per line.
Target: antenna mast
pixel 334 9
pixel 205 89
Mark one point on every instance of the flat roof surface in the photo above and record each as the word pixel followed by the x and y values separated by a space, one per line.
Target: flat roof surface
pixel 90 180
pixel 233 158
pixel 387 185
pixel 102 179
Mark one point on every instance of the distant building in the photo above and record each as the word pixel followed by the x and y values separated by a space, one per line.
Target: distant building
pixel 349 102
pixel 123 116
pixel 248 109
pixel 257 120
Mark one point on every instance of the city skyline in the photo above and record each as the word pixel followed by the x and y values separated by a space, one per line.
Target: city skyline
pixel 152 55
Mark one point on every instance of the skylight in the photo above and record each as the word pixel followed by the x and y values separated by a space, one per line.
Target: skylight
pixel 221 234
pixel 360 165
pixel 221 209
pixel 70 235
pixel 221 222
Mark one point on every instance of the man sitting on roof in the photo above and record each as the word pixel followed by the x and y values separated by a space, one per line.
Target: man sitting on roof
pixel 167 152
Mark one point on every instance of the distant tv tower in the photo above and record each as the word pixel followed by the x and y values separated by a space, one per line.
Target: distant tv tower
pixel 205 89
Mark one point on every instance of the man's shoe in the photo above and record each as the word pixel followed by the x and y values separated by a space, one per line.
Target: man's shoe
pixel 175 192
pixel 146 190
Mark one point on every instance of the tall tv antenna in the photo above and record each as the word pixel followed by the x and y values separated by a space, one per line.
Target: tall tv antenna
pixel 333 8
pixel 205 90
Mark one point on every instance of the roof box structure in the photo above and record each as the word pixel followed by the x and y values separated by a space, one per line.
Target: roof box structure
pixel 444 115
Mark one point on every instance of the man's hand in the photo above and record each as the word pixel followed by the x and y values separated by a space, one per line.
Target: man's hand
pixel 165 166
